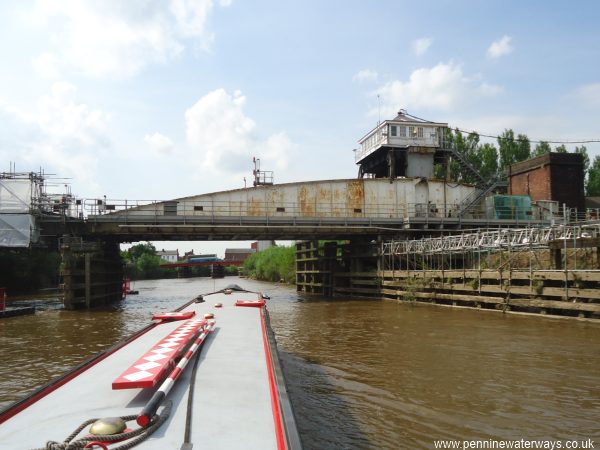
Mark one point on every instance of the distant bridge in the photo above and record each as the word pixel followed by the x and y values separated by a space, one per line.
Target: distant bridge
pixel 204 263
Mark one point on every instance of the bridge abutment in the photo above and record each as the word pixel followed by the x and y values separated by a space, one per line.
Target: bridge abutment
pixel 330 268
pixel 92 273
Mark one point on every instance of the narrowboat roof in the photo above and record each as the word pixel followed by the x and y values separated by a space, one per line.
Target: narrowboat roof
pixel 234 394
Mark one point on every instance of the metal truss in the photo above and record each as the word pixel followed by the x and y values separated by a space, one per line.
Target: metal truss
pixel 496 239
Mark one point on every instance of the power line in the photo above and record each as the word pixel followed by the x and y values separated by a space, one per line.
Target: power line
pixel 583 141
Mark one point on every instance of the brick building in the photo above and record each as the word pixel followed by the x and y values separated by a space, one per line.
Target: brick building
pixel 553 176
pixel 238 254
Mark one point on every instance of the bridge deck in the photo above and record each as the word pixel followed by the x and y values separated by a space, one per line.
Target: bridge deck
pixel 248 228
pixel 133 228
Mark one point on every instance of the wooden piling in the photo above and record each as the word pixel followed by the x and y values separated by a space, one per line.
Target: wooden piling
pixel 92 273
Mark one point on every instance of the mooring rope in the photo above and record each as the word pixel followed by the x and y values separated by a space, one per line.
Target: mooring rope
pixel 139 434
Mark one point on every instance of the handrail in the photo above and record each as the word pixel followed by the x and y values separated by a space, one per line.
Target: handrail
pixel 93 209
pixel 495 239
pixel 215 209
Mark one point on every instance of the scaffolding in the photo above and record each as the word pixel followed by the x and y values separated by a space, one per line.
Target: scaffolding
pixel 23 199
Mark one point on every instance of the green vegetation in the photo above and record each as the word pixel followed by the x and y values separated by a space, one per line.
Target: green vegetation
pixel 592 187
pixel 272 264
pixel 231 271
pixel 142 262
pixel 26 271
pixel 490 160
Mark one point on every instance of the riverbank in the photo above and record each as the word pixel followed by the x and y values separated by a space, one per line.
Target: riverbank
pixel 546 292
pixel 24 272
pixel 272 264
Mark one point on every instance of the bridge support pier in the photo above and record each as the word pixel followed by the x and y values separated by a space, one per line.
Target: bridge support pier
pixel 312 276
pixel 92 273
pixel 328 268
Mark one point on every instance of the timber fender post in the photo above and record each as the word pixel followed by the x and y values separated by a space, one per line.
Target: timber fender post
pixel 92 272
pixel 313 274
pixel 334 268
pixel 530 291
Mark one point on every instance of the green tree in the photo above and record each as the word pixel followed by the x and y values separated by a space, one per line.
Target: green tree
pixel 513 150
pixel 27 270
pixel 586 159
pixel 136 251
pixel 523 148
pixel 454 139
pixel 541 149
pixel 561 149
pixel 149 265
pixel 488 155
pixel 592 187
pixel 141 261
pixel 468 147
pixel 506 148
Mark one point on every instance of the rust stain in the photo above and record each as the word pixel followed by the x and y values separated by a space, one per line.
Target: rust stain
pixel 255 208
pixel 275 197
pixel 338 202
pixel 324 194
pixel 356 197
pixel 306 203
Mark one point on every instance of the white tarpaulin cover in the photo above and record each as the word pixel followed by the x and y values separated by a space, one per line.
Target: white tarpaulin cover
pixel 15 195
pixel 17 230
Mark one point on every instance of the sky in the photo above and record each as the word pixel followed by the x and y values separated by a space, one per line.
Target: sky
pixel 154 100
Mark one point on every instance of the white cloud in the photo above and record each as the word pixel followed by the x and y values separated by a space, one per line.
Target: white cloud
pixel 222 138
pixel 159 143
pixel 443 87
pixel 420 46
pixel 117 39
pixel 62 119
pixel 276 150
pixel 47 65
pixel 365 75
pixel 588 95
pixel 500 47
pixel 191 15
pixel 62 136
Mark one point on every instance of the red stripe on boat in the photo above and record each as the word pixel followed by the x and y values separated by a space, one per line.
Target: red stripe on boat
pixel 273 389
pixel 147 371
pixel 64 379
pixel 176 373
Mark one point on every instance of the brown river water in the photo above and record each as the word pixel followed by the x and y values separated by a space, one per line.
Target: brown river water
pixel 364 374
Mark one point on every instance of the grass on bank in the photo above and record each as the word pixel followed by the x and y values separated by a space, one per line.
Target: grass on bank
pixel 272 264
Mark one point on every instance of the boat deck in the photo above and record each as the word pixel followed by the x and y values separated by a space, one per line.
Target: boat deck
pixel 232 399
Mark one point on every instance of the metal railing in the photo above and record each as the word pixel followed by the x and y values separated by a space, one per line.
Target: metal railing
pixel 313 208
pixel 494 239
pixel 417 212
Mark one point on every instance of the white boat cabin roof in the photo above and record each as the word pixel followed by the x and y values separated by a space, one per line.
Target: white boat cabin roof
pixel 232 403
